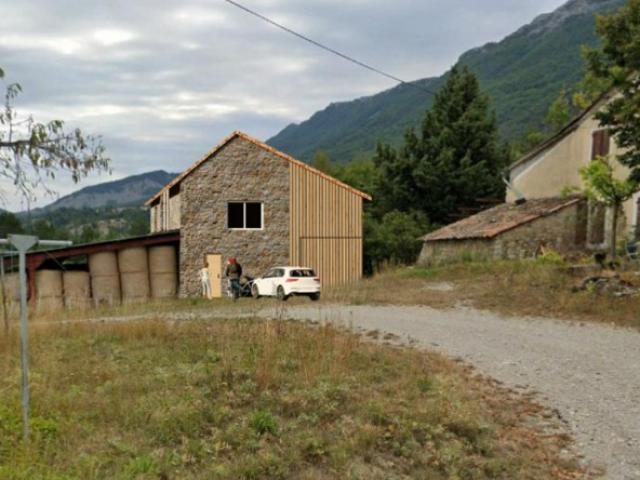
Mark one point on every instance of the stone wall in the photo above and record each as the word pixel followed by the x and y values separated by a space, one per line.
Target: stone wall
pixel 240 171
pixel 564 231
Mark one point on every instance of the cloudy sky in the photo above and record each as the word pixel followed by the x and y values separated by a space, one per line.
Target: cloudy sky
pixel 162 82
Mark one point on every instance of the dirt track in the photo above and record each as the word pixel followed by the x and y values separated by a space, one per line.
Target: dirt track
pixel 589 373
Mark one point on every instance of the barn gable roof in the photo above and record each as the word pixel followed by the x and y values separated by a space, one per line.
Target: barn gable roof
pixel 507 216
pixel 264 146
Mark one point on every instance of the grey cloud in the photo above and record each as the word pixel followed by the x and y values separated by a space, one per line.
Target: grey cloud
pixel 164 81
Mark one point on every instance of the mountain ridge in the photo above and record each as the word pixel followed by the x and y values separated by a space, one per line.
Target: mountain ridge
pixel 522 73
pixel 129 191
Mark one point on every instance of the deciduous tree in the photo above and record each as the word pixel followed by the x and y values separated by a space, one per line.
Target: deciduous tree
pixel 602 185
pixel 32 152
pixel 616 65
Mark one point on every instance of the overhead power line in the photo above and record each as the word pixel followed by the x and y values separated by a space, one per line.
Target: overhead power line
pixel 328 49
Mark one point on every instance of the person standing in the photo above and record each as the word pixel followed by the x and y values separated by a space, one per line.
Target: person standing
pixel 204 280
pixel 233 272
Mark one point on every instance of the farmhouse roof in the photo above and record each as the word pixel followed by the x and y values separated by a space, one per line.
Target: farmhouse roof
pixel 571 127
pixel 494 221
pixel 264 146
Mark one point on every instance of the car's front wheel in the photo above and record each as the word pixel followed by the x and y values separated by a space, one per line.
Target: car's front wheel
pixel 255 293
pixel 280 294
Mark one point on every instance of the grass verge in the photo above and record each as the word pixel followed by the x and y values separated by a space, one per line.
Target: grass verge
pixel 244 399
pixel 527 287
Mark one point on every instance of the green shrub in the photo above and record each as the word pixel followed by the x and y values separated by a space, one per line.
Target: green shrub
pixel 263 422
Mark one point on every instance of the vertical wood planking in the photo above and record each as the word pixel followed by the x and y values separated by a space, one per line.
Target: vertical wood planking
pixel 325 227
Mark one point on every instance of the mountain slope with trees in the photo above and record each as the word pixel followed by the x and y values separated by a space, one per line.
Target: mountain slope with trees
pixel 522 74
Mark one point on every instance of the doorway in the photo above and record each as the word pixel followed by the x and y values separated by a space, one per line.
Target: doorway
pixel 215 275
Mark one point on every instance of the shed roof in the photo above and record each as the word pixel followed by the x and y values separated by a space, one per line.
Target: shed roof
pixel 494 221
pixel 264 146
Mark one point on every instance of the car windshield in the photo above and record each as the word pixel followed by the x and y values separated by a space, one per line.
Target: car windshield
pixel 303 272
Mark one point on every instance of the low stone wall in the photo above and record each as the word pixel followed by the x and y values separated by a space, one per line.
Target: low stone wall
pixel 564 231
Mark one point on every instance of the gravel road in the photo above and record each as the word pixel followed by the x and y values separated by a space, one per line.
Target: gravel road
pixel 589 373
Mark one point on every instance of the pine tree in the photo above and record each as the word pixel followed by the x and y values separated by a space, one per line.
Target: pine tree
pixel 453 162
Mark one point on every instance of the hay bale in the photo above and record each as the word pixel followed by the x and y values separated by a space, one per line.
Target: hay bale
pixel 133 260
pixel 135 287
pixel 49 283
pixel 164 285
pixel 163 259
pixel 77 289
pixel 12 286
pixel 106 289
pixel 50 304
pixel 103 264
pixel 78 303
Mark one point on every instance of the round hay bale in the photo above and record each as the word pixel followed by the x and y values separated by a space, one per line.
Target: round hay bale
pixel 106 289
pixel 50 304
pixel 12 286
pixel 135 286
pixel 78 303
pixel 76 284
pixel 164 285
pixel 163 259
pixel 133 260
pixel 103 264
pixel 49 283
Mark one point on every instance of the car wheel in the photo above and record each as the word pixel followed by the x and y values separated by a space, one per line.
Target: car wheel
pixel 315 296
pixel 254 292
pixel 281 295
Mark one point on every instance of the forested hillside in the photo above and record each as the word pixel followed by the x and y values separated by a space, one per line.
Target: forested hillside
pixel 523 74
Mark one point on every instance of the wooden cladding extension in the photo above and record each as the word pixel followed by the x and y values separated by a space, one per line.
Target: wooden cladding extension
pixel 601 144
pixel 325 227
pixel 164 214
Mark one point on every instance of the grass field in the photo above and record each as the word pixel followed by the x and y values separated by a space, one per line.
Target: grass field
pixel 526 287
pixel 245 399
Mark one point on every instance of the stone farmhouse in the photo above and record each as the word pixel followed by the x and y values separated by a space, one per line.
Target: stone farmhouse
pixel 245 199
pixel 556 164
pixel 536 212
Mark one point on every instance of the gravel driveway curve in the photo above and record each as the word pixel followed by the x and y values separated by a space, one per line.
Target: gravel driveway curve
pixel 590 373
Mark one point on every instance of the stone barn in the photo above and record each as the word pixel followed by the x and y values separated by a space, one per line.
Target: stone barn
pixel 511 231
pixel 245 199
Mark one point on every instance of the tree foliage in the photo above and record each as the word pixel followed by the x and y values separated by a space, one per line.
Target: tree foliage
pixel 453 162
pixel 32 152
pixel 395 238
pixel 602 185
pixel 9 223
pixel 616 65
pixel 559 112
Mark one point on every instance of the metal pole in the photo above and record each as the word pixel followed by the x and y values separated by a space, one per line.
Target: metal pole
pixel 23 243
pixel 24 344
pixel 5 315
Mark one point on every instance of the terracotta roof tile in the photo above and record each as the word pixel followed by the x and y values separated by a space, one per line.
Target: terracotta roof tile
pixel 504 217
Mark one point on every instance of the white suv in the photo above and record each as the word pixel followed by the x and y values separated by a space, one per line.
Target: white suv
pixel 282 282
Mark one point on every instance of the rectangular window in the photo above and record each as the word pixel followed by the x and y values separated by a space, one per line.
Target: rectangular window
pixel 601 143
pixel 244 215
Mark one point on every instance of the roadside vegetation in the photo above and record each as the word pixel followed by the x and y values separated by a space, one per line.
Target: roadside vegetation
pixel 542 287
pixel 259 399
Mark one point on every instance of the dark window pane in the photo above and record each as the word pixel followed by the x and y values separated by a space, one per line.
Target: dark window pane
pixel 254 215
pixel 235 215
